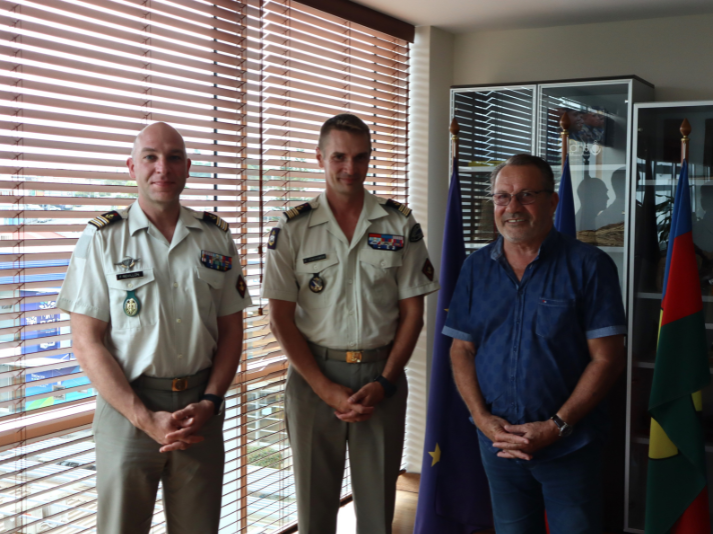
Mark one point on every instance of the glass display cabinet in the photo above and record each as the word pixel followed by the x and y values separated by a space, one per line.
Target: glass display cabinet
pixel 498 122
pixel 655 163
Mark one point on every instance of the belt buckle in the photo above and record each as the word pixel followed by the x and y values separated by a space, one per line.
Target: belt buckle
pixel 354 356
pixel 179 384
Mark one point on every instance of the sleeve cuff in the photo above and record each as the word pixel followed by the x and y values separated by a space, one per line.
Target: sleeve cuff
pixel 289 296
pixel 409 292
pixel 72 307
pixel 240 306
pixel 606 331
pixel 456 334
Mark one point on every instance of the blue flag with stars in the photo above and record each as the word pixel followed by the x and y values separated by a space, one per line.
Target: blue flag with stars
pixel 453 497
pixel 564 216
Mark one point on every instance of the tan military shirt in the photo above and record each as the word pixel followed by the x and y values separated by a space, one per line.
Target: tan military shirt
pixel 362 282
pixel 180 288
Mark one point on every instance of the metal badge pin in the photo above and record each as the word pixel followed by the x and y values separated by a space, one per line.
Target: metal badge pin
pixel 132 304
pixel 316 284
pixel 128 263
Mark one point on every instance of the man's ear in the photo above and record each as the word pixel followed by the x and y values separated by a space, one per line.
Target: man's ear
pixel 320 158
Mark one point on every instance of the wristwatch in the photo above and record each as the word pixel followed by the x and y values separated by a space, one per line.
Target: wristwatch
pixel 216 400
pixel 389 388
pixel 564 428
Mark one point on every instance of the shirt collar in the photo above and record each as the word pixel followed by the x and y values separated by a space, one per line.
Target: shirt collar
pixel 138 219
pixel 371 210
pixel 547 245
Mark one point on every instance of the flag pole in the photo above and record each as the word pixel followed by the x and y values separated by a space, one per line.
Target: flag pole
pixel 564 124
pixel 685 132
pixel 455 130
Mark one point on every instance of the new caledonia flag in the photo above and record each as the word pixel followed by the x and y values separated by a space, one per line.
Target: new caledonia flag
pixel 676 492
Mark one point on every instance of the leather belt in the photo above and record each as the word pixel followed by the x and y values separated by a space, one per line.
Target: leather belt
pixel 173 384
pixel 351 356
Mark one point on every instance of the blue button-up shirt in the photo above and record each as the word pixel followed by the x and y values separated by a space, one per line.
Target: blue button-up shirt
pixel 531 335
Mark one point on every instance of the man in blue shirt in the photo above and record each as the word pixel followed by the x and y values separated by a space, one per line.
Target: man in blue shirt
pixel 538 327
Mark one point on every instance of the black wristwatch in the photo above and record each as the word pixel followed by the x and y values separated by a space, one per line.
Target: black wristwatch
pixel 389 388
pixel 216 400
pixel 564 428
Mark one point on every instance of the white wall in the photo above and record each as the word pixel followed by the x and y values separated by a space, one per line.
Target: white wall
pixel 431 78
pixel 672 53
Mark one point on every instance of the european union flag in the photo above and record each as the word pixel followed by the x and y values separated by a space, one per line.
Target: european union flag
pixel 564 217
pixel 454 496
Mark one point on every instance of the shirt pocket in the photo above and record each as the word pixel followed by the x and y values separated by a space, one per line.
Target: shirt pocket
pixel 554 317
pixel 145 291
pixel 209 288
pixel 379 269
pixel 328 271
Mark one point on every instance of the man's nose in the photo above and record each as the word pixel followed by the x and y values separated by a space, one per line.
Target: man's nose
pixel 349 166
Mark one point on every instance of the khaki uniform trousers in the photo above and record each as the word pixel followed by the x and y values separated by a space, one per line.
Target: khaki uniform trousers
pixel 129 468
pixel 319 442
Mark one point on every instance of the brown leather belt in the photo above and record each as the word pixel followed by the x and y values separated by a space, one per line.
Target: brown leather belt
pixel 173 384
pixel 351 356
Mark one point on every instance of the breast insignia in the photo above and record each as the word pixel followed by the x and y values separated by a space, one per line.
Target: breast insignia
pixel 298 210
pixel 397 205
pixel 214 219
pixel 105 219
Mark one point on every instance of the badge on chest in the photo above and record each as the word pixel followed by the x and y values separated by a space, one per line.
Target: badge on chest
pixel 386 242
pixel 216 261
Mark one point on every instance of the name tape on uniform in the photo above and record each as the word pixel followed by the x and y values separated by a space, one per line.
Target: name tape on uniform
pixel 315 258
pixel 125 276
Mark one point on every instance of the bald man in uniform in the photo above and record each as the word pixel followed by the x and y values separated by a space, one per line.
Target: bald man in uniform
pixel 155 293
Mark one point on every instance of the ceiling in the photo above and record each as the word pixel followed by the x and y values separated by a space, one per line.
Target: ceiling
pixel 461 16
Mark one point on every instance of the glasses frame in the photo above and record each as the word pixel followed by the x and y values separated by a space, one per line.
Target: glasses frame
pixel 519 197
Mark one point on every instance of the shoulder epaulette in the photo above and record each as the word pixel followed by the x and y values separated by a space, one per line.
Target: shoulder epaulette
pixel 214 219
pixel 105 219
pixel 298 210
pixel 397 205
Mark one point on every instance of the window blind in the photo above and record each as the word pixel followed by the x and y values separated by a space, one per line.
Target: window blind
pixel 247 83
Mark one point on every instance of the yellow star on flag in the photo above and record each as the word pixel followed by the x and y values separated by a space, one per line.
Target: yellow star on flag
pixel 436 455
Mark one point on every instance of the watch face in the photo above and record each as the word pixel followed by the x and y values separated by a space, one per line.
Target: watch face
pixel 566 430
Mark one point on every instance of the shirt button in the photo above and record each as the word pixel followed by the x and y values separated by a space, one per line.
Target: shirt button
pixel 178 320
pixel 349 281
pixel 130 285
pixel 175 284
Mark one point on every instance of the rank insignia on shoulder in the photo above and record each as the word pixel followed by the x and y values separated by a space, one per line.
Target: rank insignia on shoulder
pixel 298 210
pixel 216 261
pixel 272 240
pixel 241 286
pixel 416 233
pixel 403 209
pixel 105 219
pixel 428 270
pixel 214 219
pixel 386 241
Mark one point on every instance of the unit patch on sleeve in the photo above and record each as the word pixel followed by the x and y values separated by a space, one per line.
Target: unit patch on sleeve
pixel 416 233
pixel 241 287
pixel 272 240
pixel 216 261
pixel 428 270
pixel 386 241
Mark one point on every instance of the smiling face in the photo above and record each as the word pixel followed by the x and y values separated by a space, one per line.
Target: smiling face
pixel 518 224
pixel 159 165
pixel 344 156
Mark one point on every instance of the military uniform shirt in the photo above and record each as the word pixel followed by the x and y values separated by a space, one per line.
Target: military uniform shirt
pixel 363 281
pixel 181 290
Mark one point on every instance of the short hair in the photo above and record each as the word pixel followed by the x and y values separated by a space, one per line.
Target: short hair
pixel 526 160
pixel 345 122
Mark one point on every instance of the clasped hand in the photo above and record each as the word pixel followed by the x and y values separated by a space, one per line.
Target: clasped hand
pixel 353 407
pixel 179 430
pixel 518 441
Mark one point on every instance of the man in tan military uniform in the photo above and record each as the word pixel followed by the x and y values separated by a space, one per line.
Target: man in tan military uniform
pixel 346 277
pixel 155 294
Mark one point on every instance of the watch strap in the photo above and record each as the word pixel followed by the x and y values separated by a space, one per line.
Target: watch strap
pixel 389 388
pixel 215 399
pixel 564 428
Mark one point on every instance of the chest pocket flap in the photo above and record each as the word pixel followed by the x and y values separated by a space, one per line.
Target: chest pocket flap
pixel 315 266
pixel 213 278
pixel 381 258
pixel 129 284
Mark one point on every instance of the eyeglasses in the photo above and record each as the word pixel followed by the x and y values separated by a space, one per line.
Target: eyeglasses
pixel 523 197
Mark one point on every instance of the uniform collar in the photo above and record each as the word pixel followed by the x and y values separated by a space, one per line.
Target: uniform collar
pixel 371 210
pixel 139 221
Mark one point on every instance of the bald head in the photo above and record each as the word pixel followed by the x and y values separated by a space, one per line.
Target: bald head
pixel 157 130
